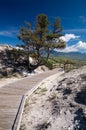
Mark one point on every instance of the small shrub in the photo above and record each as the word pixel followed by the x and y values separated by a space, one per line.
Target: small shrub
pixel 43 89
pixel 40 91
pixel 49 65
pixel 83 90
pixel 22 127
pixel 26 103
pixel 81 119
pixel 67 91
pixel 53 96
pixel 43 126
pixel 55 108
pixel 81 96
pixel 83 77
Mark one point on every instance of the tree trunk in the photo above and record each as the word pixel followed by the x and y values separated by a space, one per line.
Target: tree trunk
pixel 48 54
pixel 28 60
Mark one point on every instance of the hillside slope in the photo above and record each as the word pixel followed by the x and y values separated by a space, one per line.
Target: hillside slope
pixel 58 104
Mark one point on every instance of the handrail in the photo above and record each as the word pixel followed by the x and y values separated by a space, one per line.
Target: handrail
pixel 15 123
pixel 17 120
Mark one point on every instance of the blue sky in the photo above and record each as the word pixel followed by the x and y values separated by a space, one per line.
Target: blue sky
pixel 13 13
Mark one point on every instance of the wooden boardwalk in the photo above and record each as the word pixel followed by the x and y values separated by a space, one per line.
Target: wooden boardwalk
pixel 11 98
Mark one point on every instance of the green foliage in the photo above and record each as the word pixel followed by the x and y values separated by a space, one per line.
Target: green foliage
pixel 68 61
pixel 49 64
pixel 60 61
pixel 26 103
pixel 42 21
pixel 65 60
pixel 41 38
pixel 15 51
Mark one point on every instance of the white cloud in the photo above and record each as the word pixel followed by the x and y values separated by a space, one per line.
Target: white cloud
pixel 78 47
pixel 68 37
pixel 9 33
pixel 81 45
pixel 5 33
pixel 67 49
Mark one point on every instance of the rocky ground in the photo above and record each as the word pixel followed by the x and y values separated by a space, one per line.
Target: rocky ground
pixel 14 64
pixel 57 104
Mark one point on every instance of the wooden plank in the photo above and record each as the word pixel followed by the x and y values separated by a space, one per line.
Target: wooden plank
pixel 11 99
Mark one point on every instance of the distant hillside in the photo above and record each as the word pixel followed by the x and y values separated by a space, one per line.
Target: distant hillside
pixel 71 55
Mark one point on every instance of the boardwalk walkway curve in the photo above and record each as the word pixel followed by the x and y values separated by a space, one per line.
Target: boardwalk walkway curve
pixel 13 96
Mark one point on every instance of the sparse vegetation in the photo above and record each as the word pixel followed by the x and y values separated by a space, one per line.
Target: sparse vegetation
pixel 22 127
pixel 58 61
pixel 43 89
pixel 52 96
pixel 67 91
pixel 45 125
pixel 26 102
pixel 15 61
pixel 81 120
pixel 81 96
pixel 63 106
pixel 55 108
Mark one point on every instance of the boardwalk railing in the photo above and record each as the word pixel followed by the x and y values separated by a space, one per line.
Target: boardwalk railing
pixel 13 97
pixel 16 123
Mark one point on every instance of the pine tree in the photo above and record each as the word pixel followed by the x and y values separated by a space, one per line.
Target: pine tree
pixel 43 38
